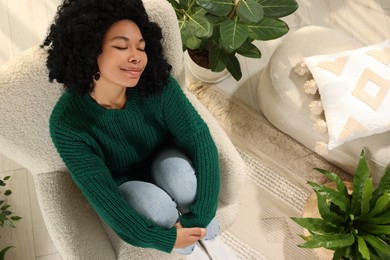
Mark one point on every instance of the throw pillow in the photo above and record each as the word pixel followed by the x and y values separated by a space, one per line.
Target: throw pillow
pixel 354 88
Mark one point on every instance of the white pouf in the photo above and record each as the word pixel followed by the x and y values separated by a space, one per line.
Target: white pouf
pixel 283 102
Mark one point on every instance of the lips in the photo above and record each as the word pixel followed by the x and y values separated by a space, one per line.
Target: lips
pixel 132 72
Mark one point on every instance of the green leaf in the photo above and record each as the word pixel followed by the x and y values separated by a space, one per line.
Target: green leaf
pixel 380 246
pixel 217 7
pixel 339 253
pixel 333 196
pixel 250 11
pixel 233 66
pixel 233 33
pixel 189 40
pixel 316 225
pixel 217 60
pixel 9 223
pixel 366 196
pixel 3 218
pixel 331 218
pixel 278 8
pixel 306 238
pixel 375 229
pixel 6 178
pixel 16 218
pixel 381 205
pixel 334 177
pixel 359 180
pixel 381 219
pixel 176 6
pixel 384 185
pixel 362 247
pixel 2 183
pixel 7 192
pixel 374 257
pixel 267 29
pixel 4 250
pixel 6 213
pixel 5 207
pixel 185 3
pixel 249 50
pixel 199 26
pixel 331 241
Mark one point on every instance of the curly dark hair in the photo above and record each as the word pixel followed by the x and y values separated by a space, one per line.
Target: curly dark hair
pixel 74 42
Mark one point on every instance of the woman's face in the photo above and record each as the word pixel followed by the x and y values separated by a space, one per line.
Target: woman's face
pixel 123 57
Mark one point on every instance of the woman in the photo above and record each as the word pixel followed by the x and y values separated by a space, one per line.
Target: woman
pixel 133 143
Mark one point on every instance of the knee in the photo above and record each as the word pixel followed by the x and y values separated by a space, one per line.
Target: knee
pixel 151 202
pixel 176 176
pixel 173 172
pixel 171 160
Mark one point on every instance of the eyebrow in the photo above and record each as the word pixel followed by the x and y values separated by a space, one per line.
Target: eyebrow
pixel 125 38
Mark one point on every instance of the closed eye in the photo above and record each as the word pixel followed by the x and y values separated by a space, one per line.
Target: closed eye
pixel 120 48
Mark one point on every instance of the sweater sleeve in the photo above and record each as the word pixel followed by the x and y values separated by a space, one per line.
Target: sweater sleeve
pixel 96 183
pixel 193 135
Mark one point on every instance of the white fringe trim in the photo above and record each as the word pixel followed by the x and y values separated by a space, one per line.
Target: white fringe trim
pixel 301 68
pixel 321 148
pixel 310 87
pixel 316 107
pixel 320 126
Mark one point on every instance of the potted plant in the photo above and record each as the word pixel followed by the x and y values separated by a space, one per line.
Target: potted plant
pixel 214 31
pixel 7 218
pixel 356 225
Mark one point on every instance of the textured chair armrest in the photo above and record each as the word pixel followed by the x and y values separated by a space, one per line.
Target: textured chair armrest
pixel 232 165
pixel 26 101
pixel 74 226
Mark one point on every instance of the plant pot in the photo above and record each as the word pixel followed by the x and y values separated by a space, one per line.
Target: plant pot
pixel 203 74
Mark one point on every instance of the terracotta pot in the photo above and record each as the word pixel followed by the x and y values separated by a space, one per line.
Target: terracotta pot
pixel 203 74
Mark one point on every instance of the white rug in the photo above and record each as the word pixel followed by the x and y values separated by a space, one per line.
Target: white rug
pixel 275 189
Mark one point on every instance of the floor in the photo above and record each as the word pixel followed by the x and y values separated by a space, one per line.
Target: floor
pixel 23 24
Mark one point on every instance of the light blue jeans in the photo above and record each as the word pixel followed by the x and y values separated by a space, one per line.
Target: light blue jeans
pixel 172 192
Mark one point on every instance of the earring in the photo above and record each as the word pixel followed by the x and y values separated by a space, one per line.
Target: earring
pixel 97 76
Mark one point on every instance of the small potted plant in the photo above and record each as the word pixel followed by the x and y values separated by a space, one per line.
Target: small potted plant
pixel 7 218
pixel 214 31
pixel 356 224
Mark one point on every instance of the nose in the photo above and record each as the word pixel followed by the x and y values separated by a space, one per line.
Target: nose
pixel 134 57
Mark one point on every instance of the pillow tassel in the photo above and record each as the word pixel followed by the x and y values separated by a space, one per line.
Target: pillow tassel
pixel 310 87
pixel 321 148
pixel 320 126
pixel 301 68
pixel 316 107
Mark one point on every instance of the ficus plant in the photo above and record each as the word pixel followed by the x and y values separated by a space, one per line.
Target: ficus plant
pixel 7 217
pixel 354 225
pixel 224 28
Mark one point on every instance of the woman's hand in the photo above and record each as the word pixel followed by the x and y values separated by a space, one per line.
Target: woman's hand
pixel 188 236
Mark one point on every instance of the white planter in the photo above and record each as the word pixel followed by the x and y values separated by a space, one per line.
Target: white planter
pixel 203 74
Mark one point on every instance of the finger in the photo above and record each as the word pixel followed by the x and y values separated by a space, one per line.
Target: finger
pixel 178 225
pixel 199 232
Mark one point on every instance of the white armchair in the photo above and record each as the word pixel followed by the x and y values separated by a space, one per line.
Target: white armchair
pixel 26 101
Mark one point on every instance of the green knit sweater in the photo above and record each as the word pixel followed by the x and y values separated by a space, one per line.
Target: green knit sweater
pixel 103 148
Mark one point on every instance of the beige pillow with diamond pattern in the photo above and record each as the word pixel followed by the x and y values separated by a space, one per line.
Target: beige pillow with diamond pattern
pixel 354 88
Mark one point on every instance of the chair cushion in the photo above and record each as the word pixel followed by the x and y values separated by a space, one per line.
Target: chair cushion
pixel 282 99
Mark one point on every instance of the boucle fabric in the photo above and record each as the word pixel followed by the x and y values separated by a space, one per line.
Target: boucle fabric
pixel 117 145
pixel 282 99
pixel 26 101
